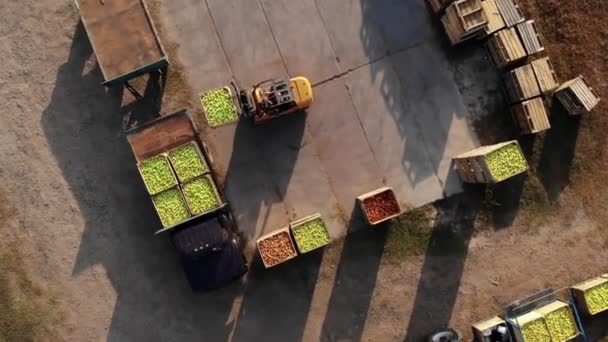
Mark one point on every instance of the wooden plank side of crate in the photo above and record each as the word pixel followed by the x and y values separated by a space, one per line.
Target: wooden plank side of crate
pixel 568 99
pixel 436 5
pixel 545 75
pixel 497 49
pixel 537 114
pixel 513 45
pixel 510 12
pixel 495 21
pixel 521 118
pixel 527 82
pixel 452 25
pixel 529 37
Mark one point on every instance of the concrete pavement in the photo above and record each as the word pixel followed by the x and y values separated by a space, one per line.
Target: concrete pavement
pixel 387 110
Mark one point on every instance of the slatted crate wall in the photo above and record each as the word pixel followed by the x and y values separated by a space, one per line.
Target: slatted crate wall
pixel 521 84
pixel 506 47
pixel 545 75
pixel 495 20
pixel 463 19
pixel 510 12
pixel 530 37
pixel 531 116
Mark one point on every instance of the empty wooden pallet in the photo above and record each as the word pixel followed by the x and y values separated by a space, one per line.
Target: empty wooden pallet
pixel 510 12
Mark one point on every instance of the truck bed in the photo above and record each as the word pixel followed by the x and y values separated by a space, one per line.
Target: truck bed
pixel 161 135
pixel 123 38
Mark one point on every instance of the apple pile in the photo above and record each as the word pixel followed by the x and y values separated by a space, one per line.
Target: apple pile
pixel 310 235
pixel 597 298
pixel 506 162
pixel 276 249
pixel 157 174
pixel 187 162
pixel 218 106
pixel 171 207
pixel 380 206
pixel 201 195
pixel 560 324
pixel 536 331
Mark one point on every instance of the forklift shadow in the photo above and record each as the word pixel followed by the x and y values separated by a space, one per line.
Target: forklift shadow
pixel 260 169
pixel 152 298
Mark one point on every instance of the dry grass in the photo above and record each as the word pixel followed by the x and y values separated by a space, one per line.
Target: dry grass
pixel 576 46
pixel 409 234
pixel 24 307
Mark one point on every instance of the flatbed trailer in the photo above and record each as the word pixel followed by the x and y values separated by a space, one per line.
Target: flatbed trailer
pixel 162 135
pixel 123 38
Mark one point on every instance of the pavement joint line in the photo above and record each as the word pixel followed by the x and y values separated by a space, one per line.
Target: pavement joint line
pixel 219 39
pixel 372 61
pixel 331 44
pixel 276 43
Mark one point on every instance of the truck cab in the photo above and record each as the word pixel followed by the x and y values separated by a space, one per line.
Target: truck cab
pixel 210 252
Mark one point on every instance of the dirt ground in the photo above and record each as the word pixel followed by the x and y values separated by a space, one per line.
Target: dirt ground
pixel 77 245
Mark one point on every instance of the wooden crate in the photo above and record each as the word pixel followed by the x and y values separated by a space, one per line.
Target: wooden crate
pixel 506 47
pixel 361 200
pixel 531 116
pixel 554 306
pixel 530 37
pixel 439 5
pixel 580 289
pixel 517 323
pixel 510 12
pixel 472 166
pixel 480 327
pixel 266 236
pixel 520 84
pixel 545 75
pixel 495 21
pixel 577 96
pixel 463 19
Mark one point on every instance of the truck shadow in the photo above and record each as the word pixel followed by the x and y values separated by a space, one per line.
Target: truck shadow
pixel 82 125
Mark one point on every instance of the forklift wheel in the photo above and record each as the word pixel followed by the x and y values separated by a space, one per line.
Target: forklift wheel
pixel 445 335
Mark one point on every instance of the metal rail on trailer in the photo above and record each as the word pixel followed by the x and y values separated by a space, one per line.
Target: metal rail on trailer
pixel 123 38
pixel 537 300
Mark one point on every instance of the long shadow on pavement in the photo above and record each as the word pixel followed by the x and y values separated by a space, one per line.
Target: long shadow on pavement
pixel 355 282
pixel 443 265
pixel 82 125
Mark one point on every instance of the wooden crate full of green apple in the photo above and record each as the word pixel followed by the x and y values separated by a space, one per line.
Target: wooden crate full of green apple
pixel 592 295
pixel 219 108
pixel 310 233
pixel 492 163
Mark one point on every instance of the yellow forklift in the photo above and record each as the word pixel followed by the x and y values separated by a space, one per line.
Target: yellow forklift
pixel 273 98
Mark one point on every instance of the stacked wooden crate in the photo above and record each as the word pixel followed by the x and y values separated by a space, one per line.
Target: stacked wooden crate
pixel 463 19
pixel 495 20
pixel 530 37
pixel 577 96
pixel 506 47
pixel 510 12
pixel 524 87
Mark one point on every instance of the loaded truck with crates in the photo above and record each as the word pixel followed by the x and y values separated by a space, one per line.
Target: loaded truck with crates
pixel 176 172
